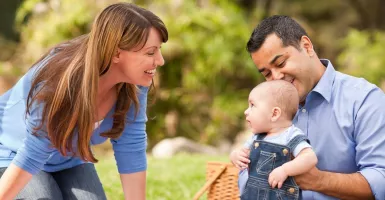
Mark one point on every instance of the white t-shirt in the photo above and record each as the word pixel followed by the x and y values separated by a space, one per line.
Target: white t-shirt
pixel 283 139
pixel 97 124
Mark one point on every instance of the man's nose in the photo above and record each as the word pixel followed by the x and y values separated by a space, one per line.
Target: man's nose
pixel 277 75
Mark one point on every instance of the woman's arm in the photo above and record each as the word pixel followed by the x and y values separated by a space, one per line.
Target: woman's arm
pixel 134 185
pixel 13 181
pixel 30 157
pixel 130 151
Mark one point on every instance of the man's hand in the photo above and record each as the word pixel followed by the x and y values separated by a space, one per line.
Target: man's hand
pixel 335 184
pixel 277 177
pixel 240 158
pixel 310 180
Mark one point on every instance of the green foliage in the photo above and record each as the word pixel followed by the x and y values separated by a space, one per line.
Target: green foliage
pixel 202 89
pixel 7 49
pixel 206 61
pixel 53 23
pixel 167 179
pixel 208 72
pixel 364 55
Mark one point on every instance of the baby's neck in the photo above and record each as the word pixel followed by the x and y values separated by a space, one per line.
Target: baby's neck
pixel 279 128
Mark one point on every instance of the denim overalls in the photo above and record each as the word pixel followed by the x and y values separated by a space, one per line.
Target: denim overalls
pixel 264 157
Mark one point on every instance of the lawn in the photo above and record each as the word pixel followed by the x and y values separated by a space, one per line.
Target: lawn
pixel 177 178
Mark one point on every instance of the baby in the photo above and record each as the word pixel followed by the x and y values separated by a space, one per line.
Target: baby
pixel 266 158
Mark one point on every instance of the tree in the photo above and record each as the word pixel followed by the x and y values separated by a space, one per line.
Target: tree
pixel 202 89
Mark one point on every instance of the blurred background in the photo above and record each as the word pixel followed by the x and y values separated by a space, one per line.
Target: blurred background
pixel 201 91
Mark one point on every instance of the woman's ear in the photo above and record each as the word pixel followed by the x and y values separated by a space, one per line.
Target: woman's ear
pixel 276 113
pixel 116 57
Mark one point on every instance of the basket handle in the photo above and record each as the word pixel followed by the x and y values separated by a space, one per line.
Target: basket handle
pixel 209 182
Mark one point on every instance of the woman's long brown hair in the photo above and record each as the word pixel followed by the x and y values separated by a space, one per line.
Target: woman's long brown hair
pixel 67 84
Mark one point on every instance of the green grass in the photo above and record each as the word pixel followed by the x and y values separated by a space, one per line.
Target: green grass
pixel 179 177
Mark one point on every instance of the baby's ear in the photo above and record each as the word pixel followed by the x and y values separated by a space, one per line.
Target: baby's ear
pixel 276 113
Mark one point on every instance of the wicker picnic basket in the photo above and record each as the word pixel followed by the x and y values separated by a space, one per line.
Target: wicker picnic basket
pixel 221 182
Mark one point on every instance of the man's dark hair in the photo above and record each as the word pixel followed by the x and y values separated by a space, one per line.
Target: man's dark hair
pixel 288 30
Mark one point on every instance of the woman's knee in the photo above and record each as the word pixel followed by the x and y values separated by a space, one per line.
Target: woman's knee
pixel 41 186
pixel 80 182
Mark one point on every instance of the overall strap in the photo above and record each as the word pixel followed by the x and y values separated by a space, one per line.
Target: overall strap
pixel 296 140
pixel 261 136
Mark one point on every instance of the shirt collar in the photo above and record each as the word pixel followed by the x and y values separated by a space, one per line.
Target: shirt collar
pixel 325 84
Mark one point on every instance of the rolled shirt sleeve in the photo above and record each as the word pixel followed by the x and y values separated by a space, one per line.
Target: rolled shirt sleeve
pixel 370 138
pixel 35 151
pixel 130 147
pixel 375 178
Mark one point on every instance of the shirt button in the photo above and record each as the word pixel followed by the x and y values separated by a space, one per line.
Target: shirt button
pixel 303 110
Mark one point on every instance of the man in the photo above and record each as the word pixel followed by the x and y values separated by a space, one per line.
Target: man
pixel 343 116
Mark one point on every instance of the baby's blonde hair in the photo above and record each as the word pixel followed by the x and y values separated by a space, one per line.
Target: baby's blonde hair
pixel 280 94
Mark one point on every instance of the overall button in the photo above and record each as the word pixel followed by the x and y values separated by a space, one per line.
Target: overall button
pixel 285 152
pixel 291 190
pixel 256 145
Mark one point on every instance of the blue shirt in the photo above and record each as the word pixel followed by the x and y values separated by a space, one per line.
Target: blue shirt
pixel 33 153
pixel 344 118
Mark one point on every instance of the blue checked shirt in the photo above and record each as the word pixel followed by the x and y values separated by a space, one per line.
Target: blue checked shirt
pixel 344 118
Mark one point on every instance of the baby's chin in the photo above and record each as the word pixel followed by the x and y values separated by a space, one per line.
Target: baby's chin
pixel 255 131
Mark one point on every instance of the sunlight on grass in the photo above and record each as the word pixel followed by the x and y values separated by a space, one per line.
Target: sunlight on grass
pixel 179 177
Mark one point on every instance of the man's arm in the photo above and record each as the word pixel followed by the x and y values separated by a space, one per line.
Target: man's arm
pixel 342 186
pixel 134 185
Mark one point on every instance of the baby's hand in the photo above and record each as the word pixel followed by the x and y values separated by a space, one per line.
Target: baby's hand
pixel 277 177
pixel 240 158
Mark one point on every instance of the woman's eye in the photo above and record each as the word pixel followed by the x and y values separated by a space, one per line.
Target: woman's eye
pixel 151 53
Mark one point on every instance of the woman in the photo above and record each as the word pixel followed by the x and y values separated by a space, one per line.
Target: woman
pixel 82 92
